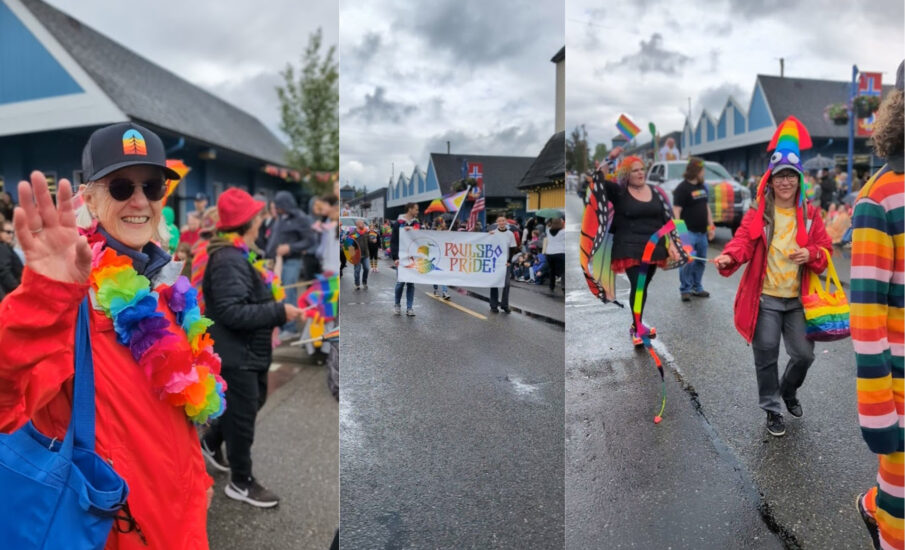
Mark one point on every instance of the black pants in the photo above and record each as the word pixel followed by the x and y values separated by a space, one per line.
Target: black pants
pixel 557 268
pixel 495 293
pixel 632 274
pixel 246 392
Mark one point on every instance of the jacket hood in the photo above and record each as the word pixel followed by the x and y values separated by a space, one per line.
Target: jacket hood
pixel 285 201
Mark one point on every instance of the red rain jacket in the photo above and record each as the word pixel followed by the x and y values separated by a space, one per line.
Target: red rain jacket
pixel 745 247
pixel 149 442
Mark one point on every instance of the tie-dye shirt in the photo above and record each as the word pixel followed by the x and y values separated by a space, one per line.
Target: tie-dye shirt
pixel 782 278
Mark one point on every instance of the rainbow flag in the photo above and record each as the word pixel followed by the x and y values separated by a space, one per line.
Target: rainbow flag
pixel 453 202
pixel 436 205
pixel 627 128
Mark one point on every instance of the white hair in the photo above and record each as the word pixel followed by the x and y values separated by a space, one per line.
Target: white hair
pixel 84 219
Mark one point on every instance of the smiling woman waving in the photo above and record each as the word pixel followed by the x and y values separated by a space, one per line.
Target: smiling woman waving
pixel 155 372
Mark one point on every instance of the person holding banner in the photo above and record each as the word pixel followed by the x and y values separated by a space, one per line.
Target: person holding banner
pixel 440 225
pixel 502 227
pixel 406 222
pixel 146 405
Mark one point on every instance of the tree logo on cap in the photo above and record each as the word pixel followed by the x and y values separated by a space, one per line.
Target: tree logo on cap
pixel 134 143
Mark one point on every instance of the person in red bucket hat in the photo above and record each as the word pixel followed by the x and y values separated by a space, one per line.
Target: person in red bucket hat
pixel 242 297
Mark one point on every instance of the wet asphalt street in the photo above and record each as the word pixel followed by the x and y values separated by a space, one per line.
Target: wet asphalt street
pixel 451 425
pixel 709 476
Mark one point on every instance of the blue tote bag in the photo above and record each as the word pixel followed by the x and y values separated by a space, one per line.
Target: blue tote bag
pixel 60 494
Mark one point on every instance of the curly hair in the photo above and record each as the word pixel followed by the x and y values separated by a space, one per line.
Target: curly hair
pixel 889 126
pixel 625 168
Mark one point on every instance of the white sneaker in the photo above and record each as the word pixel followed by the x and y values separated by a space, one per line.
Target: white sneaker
pixel 410 312
pixel 397 310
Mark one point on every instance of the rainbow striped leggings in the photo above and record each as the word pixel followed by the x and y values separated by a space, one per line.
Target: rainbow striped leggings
pixel 884 501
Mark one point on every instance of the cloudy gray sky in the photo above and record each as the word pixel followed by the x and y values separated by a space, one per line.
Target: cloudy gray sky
pixel 234 50
pixel 473 72
pixel 646 58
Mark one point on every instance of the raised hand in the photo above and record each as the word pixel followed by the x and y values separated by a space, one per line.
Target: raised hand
pixel 48 234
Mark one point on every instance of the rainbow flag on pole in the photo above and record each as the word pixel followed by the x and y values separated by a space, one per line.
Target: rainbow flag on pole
pixel 453 202
pixel 627 128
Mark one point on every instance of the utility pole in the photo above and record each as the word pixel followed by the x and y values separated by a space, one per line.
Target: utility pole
pixel 782 67
pixel 447 147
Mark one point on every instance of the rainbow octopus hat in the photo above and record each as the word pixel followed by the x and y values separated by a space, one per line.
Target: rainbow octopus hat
pixel 790 138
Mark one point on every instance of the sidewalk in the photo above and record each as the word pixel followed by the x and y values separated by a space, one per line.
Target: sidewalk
pixel 530 299
pixel 295 455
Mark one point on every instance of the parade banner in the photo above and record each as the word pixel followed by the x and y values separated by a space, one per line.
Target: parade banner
pixel 453 258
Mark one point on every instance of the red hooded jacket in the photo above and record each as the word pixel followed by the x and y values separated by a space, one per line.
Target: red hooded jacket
pixel 149 442
pixel 745 247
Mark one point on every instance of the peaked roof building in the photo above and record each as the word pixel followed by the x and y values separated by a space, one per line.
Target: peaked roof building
pixel 737 136
pixel 60 80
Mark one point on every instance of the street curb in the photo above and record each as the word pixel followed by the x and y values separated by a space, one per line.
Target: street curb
pixel 523 311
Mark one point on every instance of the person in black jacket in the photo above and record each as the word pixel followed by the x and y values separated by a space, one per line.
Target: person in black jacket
pixel 405 222
pixel 244 312
pixel 10 264
pixel 293 238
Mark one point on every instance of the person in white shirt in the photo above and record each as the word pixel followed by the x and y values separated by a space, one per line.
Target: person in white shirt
pixel 555 250
pixel 502 226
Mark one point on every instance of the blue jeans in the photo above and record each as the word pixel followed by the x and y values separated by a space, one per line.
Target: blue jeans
pixel 443 288
pixel 409 292
pixel 690 274
pixel 292 270
pixel 360 267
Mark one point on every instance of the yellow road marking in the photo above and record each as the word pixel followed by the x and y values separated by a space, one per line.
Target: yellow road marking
pixel 452 304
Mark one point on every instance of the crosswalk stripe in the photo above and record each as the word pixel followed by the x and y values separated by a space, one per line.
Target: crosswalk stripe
pixel 457 306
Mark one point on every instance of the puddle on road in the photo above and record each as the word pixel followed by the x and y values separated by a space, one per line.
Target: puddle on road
pixel 522 387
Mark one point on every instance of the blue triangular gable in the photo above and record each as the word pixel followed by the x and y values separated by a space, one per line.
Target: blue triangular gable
pixel 431 183
pixel 27 70
pixel 759 115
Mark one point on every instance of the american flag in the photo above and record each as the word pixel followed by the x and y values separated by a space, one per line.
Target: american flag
pixel 473 217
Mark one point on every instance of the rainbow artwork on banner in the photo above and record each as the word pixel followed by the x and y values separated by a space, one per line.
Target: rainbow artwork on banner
pixel 627 128
pixel 134 143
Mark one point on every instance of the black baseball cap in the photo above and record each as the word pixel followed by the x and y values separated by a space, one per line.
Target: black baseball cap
pixel 201 197
pixel 121 145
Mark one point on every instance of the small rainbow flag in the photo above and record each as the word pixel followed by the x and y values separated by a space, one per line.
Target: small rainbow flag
pixel 627 128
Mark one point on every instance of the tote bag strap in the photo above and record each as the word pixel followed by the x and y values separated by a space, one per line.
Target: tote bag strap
pixel 81 425
pixel 831 275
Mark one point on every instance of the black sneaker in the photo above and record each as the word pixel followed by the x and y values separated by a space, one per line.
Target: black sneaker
pixel 214 457
pixel 507 310
pixel 686 297
pixel 794 407
pixel 494 310
pixel 775 424
pixel 869 521
pixel 701 294
pixel 252 493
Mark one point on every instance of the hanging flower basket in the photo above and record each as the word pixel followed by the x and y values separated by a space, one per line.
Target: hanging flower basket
pixel 865 105
pixel 837 113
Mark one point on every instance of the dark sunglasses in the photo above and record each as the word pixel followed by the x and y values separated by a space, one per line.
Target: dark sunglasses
pixel 121 189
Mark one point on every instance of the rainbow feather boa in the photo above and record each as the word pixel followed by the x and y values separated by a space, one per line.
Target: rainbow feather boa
pixel 270 278
pixel 178 360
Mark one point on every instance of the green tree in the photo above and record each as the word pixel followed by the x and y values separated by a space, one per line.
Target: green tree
pixel 577 150
pixel 309 109
pixel 600 152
